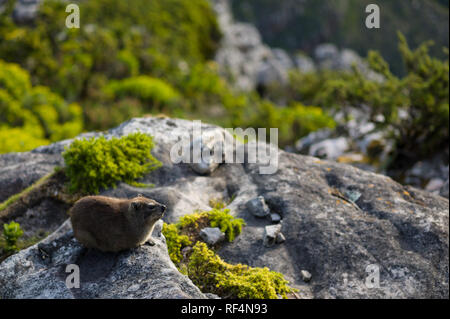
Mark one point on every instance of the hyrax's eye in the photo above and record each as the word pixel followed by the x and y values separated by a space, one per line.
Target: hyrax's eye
pixel 151 206
pixel 136 205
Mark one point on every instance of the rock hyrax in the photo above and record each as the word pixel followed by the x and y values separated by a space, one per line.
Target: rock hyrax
pixel 112 224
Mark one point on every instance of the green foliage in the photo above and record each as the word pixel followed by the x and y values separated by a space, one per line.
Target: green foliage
pixel 220 218
pixel 211 274
pixel 423 93
pixel 32 116
pixel 175 242
pixel 18 140
pixel 293 122
pixel 186 231
pixel 148 90
pixel 11 234
pixel 207 270
pixel 100 163
pixel 146 58
pixel 227 224
pixel 138 37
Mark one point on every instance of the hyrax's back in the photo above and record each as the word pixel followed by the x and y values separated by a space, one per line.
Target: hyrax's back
pixel 100 222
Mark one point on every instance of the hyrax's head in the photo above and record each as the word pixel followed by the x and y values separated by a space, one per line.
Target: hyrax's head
pixel 147 209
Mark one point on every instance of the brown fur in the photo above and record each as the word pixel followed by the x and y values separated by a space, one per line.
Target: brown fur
pixel 112 224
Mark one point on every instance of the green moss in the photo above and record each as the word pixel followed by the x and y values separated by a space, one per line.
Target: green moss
pixel 186 231
pixel 175 242
pixel 220 218
pixel 11 200
pixel 11 234
pixel 211 274
pixel 208 271
pixel 100 163
pixel 217 204
pixel 12 241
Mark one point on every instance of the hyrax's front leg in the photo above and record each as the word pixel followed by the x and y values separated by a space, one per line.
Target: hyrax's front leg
pixel 149 241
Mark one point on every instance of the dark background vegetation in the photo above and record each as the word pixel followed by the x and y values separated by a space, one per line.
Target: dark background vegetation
pixel 303 24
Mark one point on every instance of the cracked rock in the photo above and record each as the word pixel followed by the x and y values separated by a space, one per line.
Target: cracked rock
pixel 271 234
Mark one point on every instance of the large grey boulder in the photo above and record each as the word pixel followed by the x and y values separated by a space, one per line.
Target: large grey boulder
pixel 336 236
pixel 41 272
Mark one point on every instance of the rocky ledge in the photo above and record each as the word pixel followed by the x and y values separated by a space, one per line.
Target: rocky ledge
pixel 338 228
pixel 42 271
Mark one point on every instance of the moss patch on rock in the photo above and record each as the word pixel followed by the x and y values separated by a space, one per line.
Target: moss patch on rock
pixel 100 163
pixel 207 270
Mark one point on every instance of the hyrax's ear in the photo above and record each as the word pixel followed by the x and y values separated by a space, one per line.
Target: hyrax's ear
pixel 140 195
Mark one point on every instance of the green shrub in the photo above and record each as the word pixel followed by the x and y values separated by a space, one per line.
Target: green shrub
pixel 113 43
pixel 128 66
pixel 32 116
pixel 293 122
pixel 423 93
pixel 220 218
pixel 211 274
pixel 227 224
pixel 11 234
pixel 175 242
pixel 18 140
pixel 150 91
pixel 100 163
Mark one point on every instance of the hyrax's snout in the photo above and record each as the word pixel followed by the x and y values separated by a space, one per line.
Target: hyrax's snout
pixel 157 209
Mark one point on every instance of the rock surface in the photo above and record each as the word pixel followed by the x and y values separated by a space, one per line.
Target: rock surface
pixel 20 170
pixel 212 236
pixel 329 231
pixel 40 271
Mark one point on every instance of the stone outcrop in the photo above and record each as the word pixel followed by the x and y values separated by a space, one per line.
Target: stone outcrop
pixel 244 57
pixel 43 272
pixel 338 223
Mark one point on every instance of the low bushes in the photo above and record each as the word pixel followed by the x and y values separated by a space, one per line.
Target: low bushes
pixel 11 234
pixel 32 116
pixel 415 107
pixel 100 163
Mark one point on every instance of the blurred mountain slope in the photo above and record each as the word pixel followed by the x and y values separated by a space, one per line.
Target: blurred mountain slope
pixel 303 24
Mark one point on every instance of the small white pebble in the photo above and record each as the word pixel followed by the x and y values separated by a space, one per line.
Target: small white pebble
pixel 133 288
